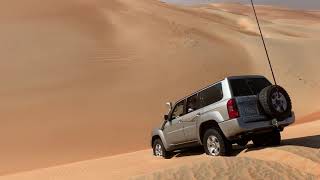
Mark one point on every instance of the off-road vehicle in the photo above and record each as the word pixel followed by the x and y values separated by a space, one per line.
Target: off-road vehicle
pixel 234 110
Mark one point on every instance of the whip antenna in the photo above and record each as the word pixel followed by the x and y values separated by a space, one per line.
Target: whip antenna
pixel 264 44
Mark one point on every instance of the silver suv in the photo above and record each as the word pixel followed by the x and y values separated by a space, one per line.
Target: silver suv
pixel 234 110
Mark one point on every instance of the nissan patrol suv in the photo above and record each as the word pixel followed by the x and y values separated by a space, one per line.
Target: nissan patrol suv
pixel 234 110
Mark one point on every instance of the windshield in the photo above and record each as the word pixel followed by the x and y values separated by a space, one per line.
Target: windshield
pixel 248 86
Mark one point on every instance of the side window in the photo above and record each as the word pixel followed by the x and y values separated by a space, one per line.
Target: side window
pixel 192 103
pixel 211 95
pixel 178 110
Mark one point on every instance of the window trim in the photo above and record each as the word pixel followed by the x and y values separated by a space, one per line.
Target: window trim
pixel 174 107
pixel 198 103
pixel 231 88
pixel 222 97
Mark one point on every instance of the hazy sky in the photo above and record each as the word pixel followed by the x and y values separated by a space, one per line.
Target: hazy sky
pixel 297 4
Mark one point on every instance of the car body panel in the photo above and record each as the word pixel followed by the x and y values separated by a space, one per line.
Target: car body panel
pixel 234 127
pixel 190 125
pixel 173 131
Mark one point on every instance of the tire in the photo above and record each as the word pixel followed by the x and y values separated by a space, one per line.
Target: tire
pixel 275 138
pixel 159 149
pixel 215 144
pixel 275 101
pixel 258 141
pixel 242 142
pixel 267 139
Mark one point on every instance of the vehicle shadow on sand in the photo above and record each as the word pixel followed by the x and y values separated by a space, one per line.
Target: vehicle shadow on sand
pixel 309 142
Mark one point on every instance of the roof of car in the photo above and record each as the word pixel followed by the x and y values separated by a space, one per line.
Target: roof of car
pixel 228 77
pixel 245 76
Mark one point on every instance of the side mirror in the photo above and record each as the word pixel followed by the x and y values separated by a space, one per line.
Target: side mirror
pixel 190 110
pixel 166 117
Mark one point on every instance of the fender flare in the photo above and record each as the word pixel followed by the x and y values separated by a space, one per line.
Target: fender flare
pixel 158 133
pixel 213 117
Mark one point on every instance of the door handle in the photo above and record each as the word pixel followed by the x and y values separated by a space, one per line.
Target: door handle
pixel 198 114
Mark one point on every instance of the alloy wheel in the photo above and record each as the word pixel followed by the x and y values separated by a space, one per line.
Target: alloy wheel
pixel 213 145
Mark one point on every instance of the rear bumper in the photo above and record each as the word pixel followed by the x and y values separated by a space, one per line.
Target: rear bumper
pixel 233 128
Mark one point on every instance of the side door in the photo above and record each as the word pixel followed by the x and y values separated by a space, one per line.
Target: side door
pixel 190 119
pixel 173 129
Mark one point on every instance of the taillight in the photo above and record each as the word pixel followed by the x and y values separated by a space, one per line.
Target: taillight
pixel 232 109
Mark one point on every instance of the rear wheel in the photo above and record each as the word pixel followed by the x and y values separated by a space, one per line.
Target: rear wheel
pixel 215 144
pixel 242 142
pixel 267 139
pixel 258 140
pixel 159 150
pixel 275 138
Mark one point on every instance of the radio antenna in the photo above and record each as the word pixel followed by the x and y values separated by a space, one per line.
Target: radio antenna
pixel 264 44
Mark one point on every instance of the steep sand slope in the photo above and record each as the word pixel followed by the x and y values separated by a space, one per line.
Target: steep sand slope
pixel 273 163
pixel 85 79
pixel 309 117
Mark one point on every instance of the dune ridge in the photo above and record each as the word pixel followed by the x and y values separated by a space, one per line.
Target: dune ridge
pixel 242 168
pixel 309 117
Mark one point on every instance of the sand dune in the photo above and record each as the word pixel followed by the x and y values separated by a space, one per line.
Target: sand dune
pixel 309 117
pixel 297 158
pixel 87 79
pixel 242 168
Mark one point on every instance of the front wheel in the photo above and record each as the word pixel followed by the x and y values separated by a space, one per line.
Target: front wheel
pixel 159 150
pixel 215 143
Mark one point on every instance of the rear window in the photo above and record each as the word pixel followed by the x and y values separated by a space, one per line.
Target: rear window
pixel 247 87
pixel 211 95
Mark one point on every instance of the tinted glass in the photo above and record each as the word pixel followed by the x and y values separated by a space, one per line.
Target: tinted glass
pixel 192 103
pixel 247 87
pixel 178 110
pixel 211 95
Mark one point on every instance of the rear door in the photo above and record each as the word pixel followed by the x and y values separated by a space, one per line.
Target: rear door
pixel 195 108
pixel 173 129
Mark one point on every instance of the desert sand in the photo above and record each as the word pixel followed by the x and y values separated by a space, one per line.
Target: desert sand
pixel 297 158
pixel 86 79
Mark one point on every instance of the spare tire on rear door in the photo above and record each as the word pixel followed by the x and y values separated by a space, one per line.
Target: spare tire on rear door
pixel 275 101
